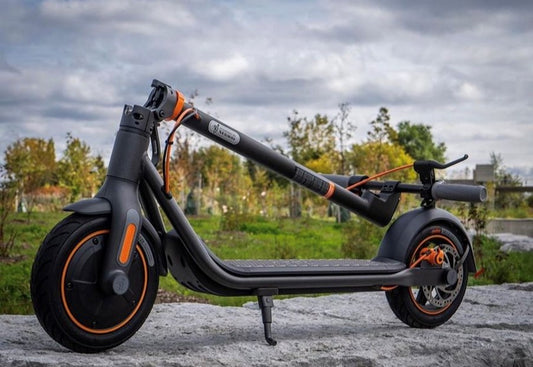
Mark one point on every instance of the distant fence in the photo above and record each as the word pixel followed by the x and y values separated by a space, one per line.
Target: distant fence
pixel 515 226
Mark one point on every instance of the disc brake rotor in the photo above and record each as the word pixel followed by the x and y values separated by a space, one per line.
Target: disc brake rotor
pixel 441 296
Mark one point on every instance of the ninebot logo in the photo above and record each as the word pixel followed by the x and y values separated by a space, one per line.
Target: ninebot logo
pixel 224 132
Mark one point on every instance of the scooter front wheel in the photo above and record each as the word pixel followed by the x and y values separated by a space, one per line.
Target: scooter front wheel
pixel 431 306
pixel 66 294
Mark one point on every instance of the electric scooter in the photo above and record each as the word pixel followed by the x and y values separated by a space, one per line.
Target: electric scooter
pixel 96 274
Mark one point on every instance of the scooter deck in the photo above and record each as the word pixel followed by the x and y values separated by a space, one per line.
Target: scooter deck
pixel 176 250
pixel 310 267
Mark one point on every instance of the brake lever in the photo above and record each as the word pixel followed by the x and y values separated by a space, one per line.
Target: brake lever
pixel 452 163
pixel 437 165
pixel 426 173
pixel 156 147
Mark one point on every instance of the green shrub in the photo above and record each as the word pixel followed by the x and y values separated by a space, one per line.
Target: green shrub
pixel 231 221
pixel 361 239
pixel 15 288
pixel 499 267
pixel 283 250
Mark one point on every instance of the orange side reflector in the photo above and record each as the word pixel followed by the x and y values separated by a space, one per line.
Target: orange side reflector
pixel 127 244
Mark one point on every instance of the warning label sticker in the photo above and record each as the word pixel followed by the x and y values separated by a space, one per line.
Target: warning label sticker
pixel 312 182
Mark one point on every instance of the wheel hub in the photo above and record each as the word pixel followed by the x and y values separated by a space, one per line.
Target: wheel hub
pixel 86 304
pixel 442 296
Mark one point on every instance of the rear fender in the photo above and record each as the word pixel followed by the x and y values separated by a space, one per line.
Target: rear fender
pixel 402 232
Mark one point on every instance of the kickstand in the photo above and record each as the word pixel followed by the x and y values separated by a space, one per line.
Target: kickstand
pixel 266 303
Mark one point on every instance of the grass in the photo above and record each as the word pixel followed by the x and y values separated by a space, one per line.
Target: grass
pixel 499 267
pixel 15 271
pixel 251 238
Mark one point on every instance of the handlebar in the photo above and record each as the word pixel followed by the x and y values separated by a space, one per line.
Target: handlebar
pixel 458 192
pixel 439 190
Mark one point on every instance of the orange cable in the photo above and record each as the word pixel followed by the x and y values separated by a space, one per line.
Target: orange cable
pixel 360 183
pixel 170 141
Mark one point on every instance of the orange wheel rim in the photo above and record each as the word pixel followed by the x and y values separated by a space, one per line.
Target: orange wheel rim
pixel 413 259
pixel 64 299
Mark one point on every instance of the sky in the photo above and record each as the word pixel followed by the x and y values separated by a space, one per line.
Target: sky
pixel 462 67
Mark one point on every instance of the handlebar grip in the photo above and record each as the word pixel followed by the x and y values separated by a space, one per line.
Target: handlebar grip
pixel 459 192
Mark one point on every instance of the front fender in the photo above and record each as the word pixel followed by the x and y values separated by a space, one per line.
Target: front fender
pixel 93 206
pixel 100 206
pixel 400 234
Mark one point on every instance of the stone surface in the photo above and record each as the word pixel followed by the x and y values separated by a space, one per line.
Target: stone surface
pixel 514 242
pixel 493 327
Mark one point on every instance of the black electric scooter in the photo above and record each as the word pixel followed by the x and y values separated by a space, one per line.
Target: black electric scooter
pixel 96 274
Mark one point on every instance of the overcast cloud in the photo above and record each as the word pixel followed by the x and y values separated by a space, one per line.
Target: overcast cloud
pixel 463 67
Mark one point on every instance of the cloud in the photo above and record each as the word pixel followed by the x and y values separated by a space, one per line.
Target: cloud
pixel 458 66
pixel 224 69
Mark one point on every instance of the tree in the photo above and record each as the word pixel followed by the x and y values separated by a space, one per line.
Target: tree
pixel 7 205
pixel 343 130
pixel 30 164
pixel 504 178
pixel 380 136
pixel 311 143
pixel 78 170
pixel 309 139
pixel 99 169
pixel 223 177
pixel 417 141
pixel 185 165
pixel 382 131
pixel 371 157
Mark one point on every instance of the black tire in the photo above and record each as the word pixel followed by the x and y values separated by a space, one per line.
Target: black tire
pixel 67 298
pixel 429 307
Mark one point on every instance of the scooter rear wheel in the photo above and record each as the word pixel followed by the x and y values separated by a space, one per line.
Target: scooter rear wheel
pixel 431 306
pixel 66 294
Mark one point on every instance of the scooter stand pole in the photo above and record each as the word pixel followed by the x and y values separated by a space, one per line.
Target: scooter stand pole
pixel 266 303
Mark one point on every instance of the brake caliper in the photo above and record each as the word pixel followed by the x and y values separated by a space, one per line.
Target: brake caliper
pixel 434 256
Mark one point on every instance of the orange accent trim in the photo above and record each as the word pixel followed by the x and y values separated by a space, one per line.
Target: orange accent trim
pixel 386 289
pixel 360 183
pixel 431 255
pixel 331 190
pixel 427 312
pixel 180 101
pixel 64 299
pixel 124 255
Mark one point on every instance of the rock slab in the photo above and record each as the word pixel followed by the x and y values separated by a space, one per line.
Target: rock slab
pixel 493 327
pixel 514 242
